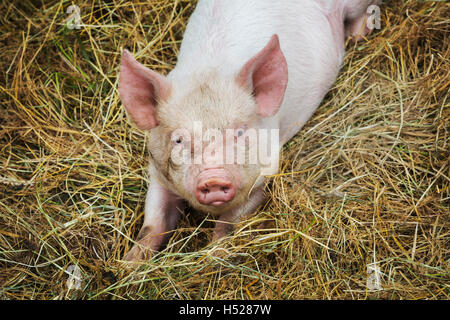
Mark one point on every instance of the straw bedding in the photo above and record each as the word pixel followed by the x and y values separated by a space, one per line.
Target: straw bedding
pixel 360 209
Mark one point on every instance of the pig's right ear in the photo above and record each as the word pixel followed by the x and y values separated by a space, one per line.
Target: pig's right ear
pixel 140 91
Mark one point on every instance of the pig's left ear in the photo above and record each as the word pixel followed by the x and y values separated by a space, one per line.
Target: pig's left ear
pixel 266 75
pixel 140 91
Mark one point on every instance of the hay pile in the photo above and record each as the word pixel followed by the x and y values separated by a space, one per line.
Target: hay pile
pixel 364 186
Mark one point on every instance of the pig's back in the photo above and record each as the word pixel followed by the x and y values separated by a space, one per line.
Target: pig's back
pixel 225 34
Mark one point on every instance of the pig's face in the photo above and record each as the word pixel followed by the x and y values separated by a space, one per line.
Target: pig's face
pixel 197 127
pixel 201 127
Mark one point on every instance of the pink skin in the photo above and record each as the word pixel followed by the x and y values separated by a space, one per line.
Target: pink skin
pixel 214 187
pixel 267 75
pixel 138 87
pixel 214 184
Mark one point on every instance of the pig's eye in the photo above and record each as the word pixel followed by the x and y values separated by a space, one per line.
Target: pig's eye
pixel 178 140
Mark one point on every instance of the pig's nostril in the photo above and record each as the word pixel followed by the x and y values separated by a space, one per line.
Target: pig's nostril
pixel 215 191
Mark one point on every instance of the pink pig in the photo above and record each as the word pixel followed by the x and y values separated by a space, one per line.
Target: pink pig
pixel 243 66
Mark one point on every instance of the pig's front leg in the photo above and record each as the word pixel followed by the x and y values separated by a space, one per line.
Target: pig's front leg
pixel 162 211
pixel 226 221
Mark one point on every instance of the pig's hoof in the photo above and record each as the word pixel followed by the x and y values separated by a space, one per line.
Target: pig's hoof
pixel 141 251
pixel 138 254
pixel 219 248
pixel 220 252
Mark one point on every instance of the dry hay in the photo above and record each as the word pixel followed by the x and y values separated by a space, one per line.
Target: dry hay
pixel 365 183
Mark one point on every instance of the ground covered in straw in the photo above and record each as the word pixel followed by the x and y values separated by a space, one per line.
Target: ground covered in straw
pixel 364 186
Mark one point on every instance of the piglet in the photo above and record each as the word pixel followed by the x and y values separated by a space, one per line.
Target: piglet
pixel 249 75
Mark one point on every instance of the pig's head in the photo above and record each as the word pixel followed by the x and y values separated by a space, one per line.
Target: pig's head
pixel 178 111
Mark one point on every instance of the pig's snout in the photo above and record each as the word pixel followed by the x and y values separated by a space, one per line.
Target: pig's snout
pixel 214 188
